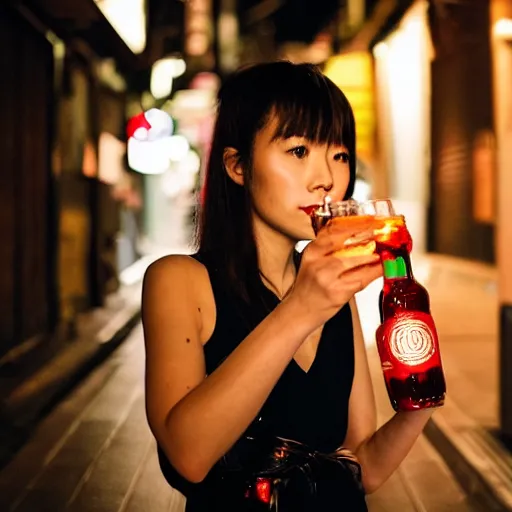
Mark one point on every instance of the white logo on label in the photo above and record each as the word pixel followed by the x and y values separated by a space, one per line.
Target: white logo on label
pixel 412 341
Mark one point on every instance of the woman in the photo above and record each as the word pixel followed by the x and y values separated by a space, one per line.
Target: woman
pixel 257 381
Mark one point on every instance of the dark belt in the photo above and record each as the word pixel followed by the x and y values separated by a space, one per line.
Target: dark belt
pixel 280 475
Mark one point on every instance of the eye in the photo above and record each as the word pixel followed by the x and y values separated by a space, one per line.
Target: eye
pixel 342 157
pixel 299 151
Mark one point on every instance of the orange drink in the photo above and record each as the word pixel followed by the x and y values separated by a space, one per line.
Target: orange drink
pixel 358 245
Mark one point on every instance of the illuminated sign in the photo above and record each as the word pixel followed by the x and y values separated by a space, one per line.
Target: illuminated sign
pixel 128 18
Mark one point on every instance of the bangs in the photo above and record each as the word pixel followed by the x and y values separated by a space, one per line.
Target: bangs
pixel 316 110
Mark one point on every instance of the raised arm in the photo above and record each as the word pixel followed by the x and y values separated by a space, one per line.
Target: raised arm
pixel 197 419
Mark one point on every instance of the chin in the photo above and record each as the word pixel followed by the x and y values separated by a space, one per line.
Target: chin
pixel 303 235
pixel 303 231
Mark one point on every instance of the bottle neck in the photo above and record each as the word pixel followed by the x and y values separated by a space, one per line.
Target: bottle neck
pixel 398 268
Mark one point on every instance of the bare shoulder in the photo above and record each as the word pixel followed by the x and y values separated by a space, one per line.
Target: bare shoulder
pixel 182 284
pixel 175 267
pixel 174 275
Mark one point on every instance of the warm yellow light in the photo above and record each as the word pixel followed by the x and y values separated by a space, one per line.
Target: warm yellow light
pixel 503 29
pixel 380 50
pixel 128 18
pixel 353 74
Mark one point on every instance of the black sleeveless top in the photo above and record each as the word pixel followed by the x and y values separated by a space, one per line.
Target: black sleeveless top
pixel 308 407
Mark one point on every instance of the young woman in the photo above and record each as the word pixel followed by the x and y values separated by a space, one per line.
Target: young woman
pixel 257 382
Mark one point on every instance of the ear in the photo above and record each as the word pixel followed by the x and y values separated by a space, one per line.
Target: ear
pixel 233 165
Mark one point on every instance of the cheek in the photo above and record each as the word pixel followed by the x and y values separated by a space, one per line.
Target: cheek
pixel 273 183
pixel 268 190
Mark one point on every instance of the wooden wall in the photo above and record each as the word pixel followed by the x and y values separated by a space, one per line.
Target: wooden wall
pixel 462 121
pixel 27 307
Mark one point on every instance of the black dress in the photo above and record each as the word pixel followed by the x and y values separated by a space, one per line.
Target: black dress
pixel 263 471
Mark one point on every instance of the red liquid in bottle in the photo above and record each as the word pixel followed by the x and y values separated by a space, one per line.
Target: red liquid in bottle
pixel 407 339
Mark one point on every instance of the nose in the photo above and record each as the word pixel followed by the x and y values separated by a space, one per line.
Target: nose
pixel 322 175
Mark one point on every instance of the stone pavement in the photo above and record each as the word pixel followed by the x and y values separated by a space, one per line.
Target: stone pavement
pixel 33 381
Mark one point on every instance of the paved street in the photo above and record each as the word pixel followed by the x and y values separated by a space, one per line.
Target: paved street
pixel 94 451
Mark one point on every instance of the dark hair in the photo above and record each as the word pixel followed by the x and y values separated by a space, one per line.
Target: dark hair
pixel 306 103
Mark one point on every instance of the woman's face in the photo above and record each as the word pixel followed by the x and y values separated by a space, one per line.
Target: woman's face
pixel 288 174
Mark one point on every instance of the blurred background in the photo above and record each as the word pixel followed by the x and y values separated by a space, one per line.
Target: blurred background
pixel 430 83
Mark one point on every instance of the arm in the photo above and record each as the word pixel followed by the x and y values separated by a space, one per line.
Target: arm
pixel 379 452
pixel 196 419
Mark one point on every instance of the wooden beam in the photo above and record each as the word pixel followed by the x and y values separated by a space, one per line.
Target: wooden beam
pixel 84 21
pixel 371 27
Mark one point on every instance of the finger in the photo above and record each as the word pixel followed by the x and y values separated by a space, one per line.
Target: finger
pixel 363 275
pixel 349 264
pixel 337 241
pixel 334 268
pixel 358 243
pixel 333 235
pixel 330 270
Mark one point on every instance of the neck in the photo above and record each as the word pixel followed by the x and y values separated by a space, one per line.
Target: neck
pixel 275 258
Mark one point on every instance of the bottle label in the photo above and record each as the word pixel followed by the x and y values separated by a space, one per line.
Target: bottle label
pixel 409 338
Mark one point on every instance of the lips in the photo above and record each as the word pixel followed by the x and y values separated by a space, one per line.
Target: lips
pixel 308 210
